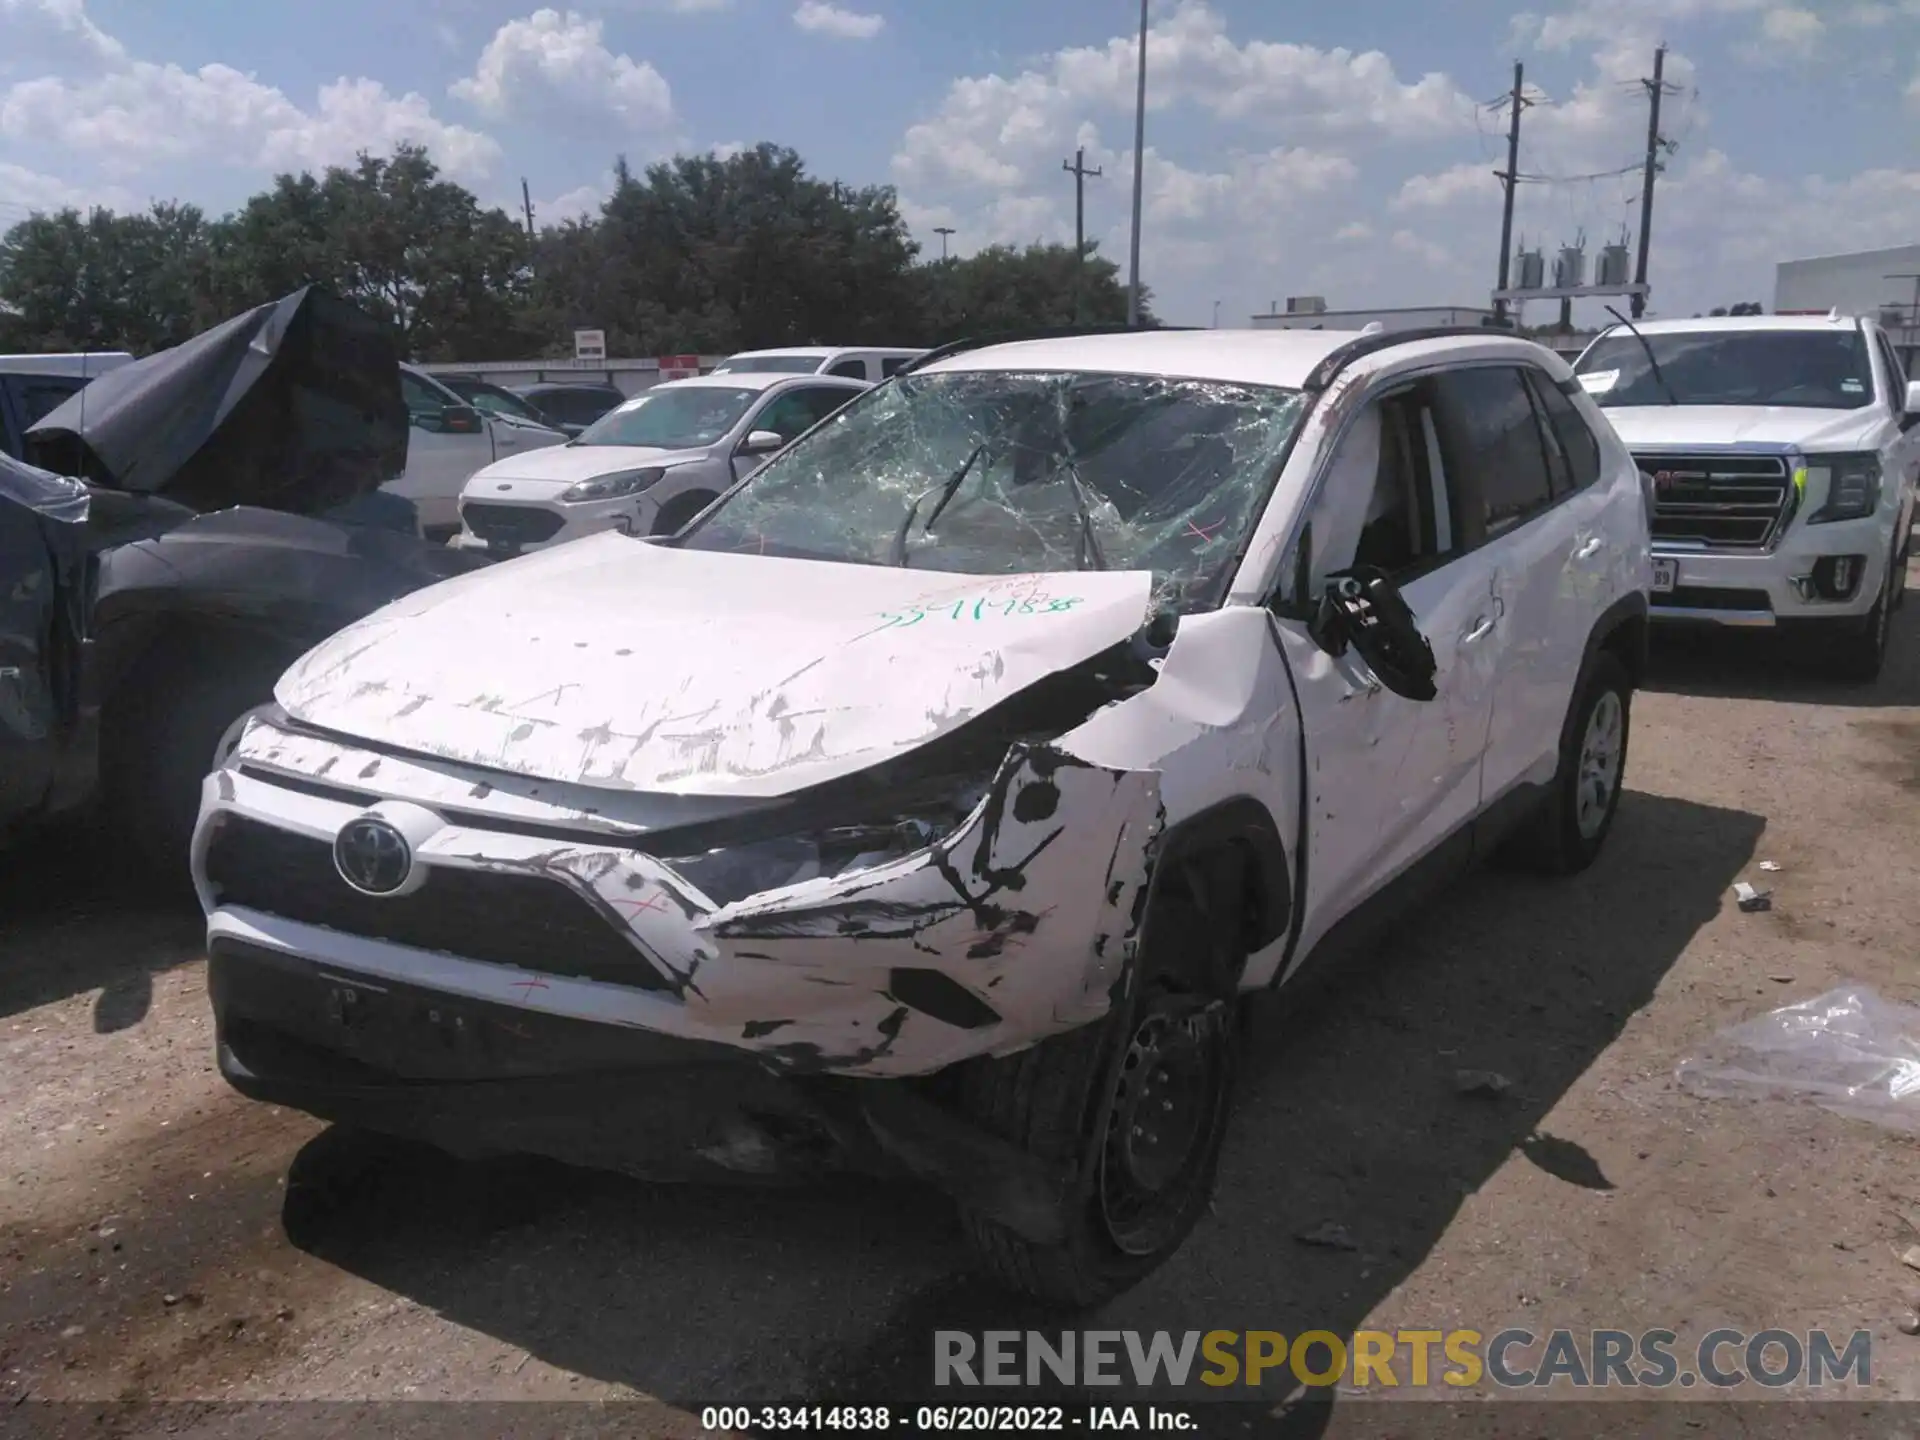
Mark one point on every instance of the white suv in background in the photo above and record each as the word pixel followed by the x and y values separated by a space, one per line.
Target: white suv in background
pixel 648 466
pixel 929 803
pixel 1782 454
pixel 447 440
pixel 870 365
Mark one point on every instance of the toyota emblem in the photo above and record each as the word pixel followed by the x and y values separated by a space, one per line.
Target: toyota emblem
pixel 372 856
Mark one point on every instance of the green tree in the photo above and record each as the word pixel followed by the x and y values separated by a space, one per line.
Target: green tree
pixel 1002 289
pixel 395 238
pixel 106 281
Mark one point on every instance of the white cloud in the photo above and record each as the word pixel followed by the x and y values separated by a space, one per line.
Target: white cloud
pixel 1469 182
pixel 28 190
pixel 1788 26
pixel 55 29
pixel 143 112
pixel 579 203
pixel 824 19
pixel 1354 230
pixel 553 62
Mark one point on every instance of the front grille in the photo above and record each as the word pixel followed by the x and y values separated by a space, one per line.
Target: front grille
pixel 510 524
pixel 1723 502
pixel 1713 597
pixel 526 921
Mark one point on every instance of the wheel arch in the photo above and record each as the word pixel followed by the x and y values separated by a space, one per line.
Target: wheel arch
pixel 1229 856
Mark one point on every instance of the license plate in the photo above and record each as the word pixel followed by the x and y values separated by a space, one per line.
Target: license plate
pixel 1666 574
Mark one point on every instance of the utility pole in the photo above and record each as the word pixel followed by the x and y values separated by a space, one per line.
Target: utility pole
pixel 1077 167
pixel 526 199
pixel 1912 327
pixel 943 231
pixel 1139 159
pixel 1510 182
pixel 1655 88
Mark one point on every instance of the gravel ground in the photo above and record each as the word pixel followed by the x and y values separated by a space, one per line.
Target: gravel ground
pixel 162 1239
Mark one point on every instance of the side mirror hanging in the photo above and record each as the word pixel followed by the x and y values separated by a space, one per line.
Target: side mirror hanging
pixel 1362 607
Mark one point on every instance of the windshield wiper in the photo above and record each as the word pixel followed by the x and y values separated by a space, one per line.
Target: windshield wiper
pixel 1090 543
pixel 1633 330
pixel 897 556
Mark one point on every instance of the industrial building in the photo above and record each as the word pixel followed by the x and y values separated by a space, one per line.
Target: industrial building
pixel 1879 284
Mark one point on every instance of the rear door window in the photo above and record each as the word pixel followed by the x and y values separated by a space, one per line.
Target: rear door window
pixel 1573 454
pixel 1493 443
pixel 850 369
pixel 37 396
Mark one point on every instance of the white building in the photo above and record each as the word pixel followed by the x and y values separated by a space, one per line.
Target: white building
pixel 1879 284
pixel 1309 312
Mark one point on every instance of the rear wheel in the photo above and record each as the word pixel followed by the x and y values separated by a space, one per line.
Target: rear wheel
pixel 1566 836
pixel 1143 1098
pixel 675 515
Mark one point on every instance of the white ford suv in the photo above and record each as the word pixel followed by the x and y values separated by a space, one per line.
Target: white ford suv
pixel 928 805
pixel 1782 455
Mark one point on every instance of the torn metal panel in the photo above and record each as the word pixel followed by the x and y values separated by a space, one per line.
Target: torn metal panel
pixel 1218 724
pixel 645 668
pixel 1027 906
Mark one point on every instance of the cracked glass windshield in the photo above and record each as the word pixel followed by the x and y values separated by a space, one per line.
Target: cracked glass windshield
pixel 1005 472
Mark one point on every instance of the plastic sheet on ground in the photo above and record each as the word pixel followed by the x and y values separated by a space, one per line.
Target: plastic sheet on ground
pixel 1850 1051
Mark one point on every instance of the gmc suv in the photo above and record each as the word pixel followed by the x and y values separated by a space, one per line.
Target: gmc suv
pixel 930 803
pixel 1782 455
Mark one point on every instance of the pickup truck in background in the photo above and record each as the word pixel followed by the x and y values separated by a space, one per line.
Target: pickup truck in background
pixel 1781 454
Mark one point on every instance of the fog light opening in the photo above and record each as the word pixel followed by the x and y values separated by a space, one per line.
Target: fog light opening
pixel 1837 577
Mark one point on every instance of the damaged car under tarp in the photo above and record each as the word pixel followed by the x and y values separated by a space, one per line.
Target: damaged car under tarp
pixel 224 519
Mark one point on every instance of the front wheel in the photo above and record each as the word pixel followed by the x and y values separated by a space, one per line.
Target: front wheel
pixel 1145 1099
pixel 678 512
pixel 1859 649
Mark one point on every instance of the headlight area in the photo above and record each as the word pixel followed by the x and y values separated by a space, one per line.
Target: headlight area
pixel 1850 484
pixel 613 487
pixel 728 873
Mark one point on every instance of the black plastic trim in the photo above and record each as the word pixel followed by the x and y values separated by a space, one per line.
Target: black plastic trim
pixel 1330 366
pixel 1242 820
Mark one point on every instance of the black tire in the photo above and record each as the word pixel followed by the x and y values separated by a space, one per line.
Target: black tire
pixel 162 727
pixel 1564 839
pixel 1858 650
pixel 677 512
pixel 1053 1098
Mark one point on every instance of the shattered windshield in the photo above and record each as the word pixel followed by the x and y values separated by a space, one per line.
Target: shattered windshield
pixel 1001 472
pixel 672 419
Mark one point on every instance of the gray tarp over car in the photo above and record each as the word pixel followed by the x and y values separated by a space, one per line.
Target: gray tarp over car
pixel 294 405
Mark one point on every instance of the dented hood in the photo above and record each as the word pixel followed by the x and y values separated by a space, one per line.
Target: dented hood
pixel 619 663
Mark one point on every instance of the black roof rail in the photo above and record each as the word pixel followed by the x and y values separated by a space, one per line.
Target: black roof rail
pixel 1009 337
pixel 1361 346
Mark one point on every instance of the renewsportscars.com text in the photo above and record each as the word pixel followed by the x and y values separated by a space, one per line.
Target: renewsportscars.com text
pixel 1389 1359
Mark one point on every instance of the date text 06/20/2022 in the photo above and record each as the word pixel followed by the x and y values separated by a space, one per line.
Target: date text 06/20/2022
pixel 928 1419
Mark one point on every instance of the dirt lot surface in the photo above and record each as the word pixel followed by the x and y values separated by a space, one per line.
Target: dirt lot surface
pixel 161 1238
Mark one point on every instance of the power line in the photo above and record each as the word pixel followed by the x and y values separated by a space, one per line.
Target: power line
pixel 1510 183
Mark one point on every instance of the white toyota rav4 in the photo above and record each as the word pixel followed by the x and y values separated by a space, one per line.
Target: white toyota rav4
pixel 1782 453
pixel 929 804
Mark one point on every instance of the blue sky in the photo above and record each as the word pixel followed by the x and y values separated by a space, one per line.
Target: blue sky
pixel 1291 148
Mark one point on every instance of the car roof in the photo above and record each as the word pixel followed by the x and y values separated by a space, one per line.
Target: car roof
pixel 1282 358
pixel 821 352
pixel 548 387
pixel 759 380
pixel 1829 323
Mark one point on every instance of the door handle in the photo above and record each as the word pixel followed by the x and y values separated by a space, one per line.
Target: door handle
pixel 1479 630
pixel 1590 549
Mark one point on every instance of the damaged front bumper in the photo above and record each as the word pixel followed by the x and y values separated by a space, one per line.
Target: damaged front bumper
pixel 1014 927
